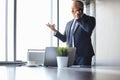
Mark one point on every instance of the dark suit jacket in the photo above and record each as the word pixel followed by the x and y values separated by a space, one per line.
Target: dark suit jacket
pixel 82 35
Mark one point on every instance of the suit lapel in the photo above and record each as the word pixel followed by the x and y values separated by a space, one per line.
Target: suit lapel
pixel 78 22
pixel 76 26
pixel 69 28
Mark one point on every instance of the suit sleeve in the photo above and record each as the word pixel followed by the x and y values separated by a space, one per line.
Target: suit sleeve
pixel 60 36
pixel 88 24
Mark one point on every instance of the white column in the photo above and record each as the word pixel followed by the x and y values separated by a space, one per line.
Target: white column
pixel 93 13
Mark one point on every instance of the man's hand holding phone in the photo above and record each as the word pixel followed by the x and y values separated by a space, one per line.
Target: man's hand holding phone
pixel 78 14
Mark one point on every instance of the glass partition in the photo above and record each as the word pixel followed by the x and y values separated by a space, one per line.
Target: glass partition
pixel 32 32
pixel 2 29
pixel 65 15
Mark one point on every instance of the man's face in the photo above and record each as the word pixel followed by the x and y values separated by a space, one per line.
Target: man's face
pixel 77 10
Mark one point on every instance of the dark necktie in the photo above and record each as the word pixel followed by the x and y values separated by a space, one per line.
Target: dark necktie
pixel 70 42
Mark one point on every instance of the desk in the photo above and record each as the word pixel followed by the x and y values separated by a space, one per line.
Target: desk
pixel 54 73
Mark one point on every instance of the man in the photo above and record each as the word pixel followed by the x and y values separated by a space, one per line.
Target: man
pixel 83 26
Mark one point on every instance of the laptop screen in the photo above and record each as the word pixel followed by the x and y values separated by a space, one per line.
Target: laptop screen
pixel 51 54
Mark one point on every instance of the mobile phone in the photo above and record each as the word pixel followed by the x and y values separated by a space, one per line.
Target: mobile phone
pixel 79 10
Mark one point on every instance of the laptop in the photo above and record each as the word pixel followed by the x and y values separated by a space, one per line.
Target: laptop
pixel 51 53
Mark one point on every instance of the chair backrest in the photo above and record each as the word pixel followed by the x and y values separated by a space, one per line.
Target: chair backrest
pixel 36 56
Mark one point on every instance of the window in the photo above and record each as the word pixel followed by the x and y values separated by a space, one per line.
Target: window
pixel 6 30
pixel 32 32
pixel 2 29
pixel 65 15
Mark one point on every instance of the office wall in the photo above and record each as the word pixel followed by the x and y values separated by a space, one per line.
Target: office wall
pixel 108 32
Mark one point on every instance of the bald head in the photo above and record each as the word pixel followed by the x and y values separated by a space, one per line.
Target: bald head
pixel 78 4
pixel 77 8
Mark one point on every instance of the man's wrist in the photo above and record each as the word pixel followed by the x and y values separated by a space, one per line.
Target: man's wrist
pixel 55 32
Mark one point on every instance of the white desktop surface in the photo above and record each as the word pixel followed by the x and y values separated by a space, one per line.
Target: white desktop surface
pixel 54 73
